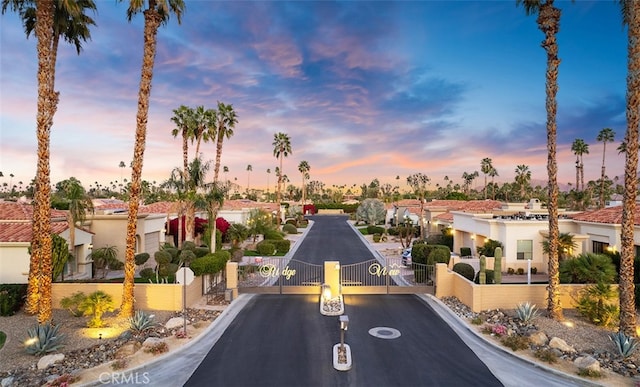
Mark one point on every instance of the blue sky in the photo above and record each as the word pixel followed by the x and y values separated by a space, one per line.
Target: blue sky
pixel 364 90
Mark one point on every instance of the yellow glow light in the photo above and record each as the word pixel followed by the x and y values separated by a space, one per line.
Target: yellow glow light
pixel 104 333
pixel 568 323
pixel 30 341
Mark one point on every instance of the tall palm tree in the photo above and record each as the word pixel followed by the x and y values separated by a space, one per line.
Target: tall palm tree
pixel 523 177
pixel 268 174
pixel 49 20
pixel 579 148
pixel 79 204
pixel 468 180
pixel 631 17
pixel 249 169
pixel 605 135
pixel 486 166
pixel 549 23
pixel 203 121
pixel 183 118
pixel 156 14
pixel 304 169
pixel 418 182
pixel 281 148
pixel 225 120
pixel 493 173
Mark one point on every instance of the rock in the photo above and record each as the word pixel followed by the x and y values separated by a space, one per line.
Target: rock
pixel 562 345
pixel 47 360
pixel 538 338
pixel 126 350
pixel 7 382
pixel 152 341
pixel 587 363
pixel 175 322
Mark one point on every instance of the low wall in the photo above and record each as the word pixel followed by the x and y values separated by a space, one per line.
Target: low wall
pixel 503 296
pixel 330 211
pixel 147 296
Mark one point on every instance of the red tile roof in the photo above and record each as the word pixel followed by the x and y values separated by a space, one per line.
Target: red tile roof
pixel 610 215
pixel 16 225
pixel 467 206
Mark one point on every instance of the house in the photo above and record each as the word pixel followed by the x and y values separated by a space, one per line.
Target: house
pixel 16 220
pixel 603 228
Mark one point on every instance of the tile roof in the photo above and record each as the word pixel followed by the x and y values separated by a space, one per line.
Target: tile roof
pixel 16 225
pixel 467 206
pixel 610 215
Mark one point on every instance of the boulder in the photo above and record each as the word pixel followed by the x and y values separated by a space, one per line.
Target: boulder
pixel 562 345
pixel 175 322
pixel 7 382
pixel 538 338
pixel 587 363
pixel 152 342
pixel 47 360
pixel 127 350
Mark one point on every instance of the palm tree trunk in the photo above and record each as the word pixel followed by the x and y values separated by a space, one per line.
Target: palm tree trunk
pixel 602 173
pixel 627 254
pixel 190 220
pixel 549 22
pixel 152 21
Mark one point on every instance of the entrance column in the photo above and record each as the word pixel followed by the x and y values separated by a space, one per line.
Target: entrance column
pixel 332 277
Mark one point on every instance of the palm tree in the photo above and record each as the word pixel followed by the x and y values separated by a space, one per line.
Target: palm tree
pixel 605 135
pixel 183 118
pixel 493 173
pixel 79 204
pixel 631 17
pixel 281 148
pixel 155 15
pixel 579 148
pixel 549 23
pixel 468 180
pixel 249 169
pixel 523 177
pixel 268 174
pixel 485 167
pixel 49 20
pixel 225 120
pixel 304 169
pixel 418 182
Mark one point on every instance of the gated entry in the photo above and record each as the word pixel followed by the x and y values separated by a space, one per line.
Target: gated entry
pixel 278 275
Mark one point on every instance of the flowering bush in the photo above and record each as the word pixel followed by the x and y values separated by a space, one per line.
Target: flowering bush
pixel 499 330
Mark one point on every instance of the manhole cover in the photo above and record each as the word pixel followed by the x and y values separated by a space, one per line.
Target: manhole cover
pixel 384 333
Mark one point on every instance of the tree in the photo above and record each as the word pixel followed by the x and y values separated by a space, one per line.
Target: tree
pixel 523 177
pixel 468 180
pixel 281 149
pixel 79 204
pixel 371 211
pixel 631 17
pixel 249 169
pixel 156 14
pixel 549 23
pixel 418 183
pixel 486 166
pixel 268 174
pixel 225 120
pixel 605 135
pixel 493 173
pixel 304 169
pixel 183 118
pixel 579 148
pixel 50 20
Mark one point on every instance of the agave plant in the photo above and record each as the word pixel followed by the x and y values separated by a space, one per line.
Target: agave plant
pixel 141 322
pixel 43 338
pixel 624 344
pixel 526 311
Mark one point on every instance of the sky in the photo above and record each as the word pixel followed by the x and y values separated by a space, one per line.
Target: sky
pixel 364 90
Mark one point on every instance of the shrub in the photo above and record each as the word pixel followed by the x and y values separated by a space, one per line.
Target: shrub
pixel 595 303
pixel 476 320
pixel 439 255
pixel 273 234
pixel 164 257
pixel 158 348
pixel 375 230
pixel 73 302
pixel 534 270
pixel 520 271
pixel 526 311
pixel 465 251
pixel 96 305
pixel 377 237
pixel 465 270
pixel 624 344
pixel 489 247
pixel 119 364
pixel 282 246
pixel 210 263
pixel 516 342
pixel 546 355
pixel 43 338
pixel 499 330
pixel 420 253
pixel 291 221
pixel 148 274
pixel 265 247
pixel 12 297
pixel 489 275
pixel 141 322
pixel 587 268
pixel 141 258
pixel 201 251
pixel 290 228
pixel 511 271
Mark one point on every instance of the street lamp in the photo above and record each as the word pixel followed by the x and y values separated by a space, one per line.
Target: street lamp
pixel 344 325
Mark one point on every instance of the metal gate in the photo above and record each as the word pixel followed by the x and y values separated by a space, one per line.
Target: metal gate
pixel 278 275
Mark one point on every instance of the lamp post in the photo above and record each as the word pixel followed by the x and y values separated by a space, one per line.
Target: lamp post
pixel 344 325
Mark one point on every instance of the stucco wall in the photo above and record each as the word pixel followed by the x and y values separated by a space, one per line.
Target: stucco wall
pixel 14 262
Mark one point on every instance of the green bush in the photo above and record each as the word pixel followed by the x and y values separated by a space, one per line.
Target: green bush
pixel 96 305
pixel 163 257
pixel 587 268
pixel 148 274
pixel 465 251
pixel 374 230
pixel 12 297
pixel 201 251
pixel 290 228
pixel 273 234
pixel 516 342
pixel 489 248
pixel 73 302
pixel 210 263
pixel 489 274
pixel 465 270
pixel 292 222
pixel 596 303
pixel 3 339
pixel 441 254
pixel 188 245
pixel 377 237
pixel 266 247
pixel 282 246
pixel 141 258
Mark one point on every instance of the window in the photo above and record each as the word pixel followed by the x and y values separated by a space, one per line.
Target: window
pixel 599 247
pixel 525 249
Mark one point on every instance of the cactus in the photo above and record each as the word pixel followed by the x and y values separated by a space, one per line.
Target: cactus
pixel 497 265
pixel 43 339
pixel 141 322
pixel 482 276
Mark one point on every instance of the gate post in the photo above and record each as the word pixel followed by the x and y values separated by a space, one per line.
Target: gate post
pixel 232 279
pixel 332 277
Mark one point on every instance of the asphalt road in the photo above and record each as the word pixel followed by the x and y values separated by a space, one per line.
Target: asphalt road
pixel 284 340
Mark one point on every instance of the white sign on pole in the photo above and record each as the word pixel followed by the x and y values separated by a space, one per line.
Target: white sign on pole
pixel 185 276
